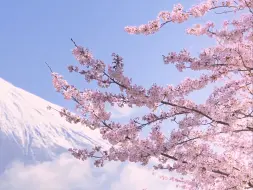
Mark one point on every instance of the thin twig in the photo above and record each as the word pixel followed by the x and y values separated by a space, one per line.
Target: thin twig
pixel 49 67
pixel 73 42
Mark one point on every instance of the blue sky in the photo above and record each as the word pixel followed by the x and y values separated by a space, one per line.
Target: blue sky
pixel 33 32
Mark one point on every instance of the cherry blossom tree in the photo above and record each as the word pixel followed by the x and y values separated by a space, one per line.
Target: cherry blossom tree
pixel 212 145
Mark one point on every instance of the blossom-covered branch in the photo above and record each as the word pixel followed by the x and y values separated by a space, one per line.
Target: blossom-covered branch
pixel 213 142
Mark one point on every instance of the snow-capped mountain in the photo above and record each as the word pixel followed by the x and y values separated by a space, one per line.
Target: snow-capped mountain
pixel 29 132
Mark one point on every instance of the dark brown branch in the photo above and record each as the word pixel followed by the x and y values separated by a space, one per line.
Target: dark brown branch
pixel 160 118
pixel 49 67
pixel 114 81
pixel 224 12
pixel 248 6
pixel 196 111
pixel 73 42
pixel 175 159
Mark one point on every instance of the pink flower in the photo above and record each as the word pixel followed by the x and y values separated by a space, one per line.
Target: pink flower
pixel 209 147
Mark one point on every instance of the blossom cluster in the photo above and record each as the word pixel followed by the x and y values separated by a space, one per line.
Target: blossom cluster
pixel 212 144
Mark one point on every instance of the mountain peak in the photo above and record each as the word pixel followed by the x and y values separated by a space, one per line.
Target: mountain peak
pixel 33 131
pixel 4 86
pixel 4 82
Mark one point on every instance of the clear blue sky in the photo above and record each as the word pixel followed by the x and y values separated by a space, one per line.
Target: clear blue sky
pixel 33 32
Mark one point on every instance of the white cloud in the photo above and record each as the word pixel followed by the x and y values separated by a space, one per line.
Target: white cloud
pixel 68 173
pixel 118 112
pixel 64 173
pixel 138 178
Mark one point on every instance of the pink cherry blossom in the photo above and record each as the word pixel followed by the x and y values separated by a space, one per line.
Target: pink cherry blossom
pixel 212 146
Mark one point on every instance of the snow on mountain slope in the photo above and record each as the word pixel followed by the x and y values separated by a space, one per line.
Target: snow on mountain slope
pixel 29 132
